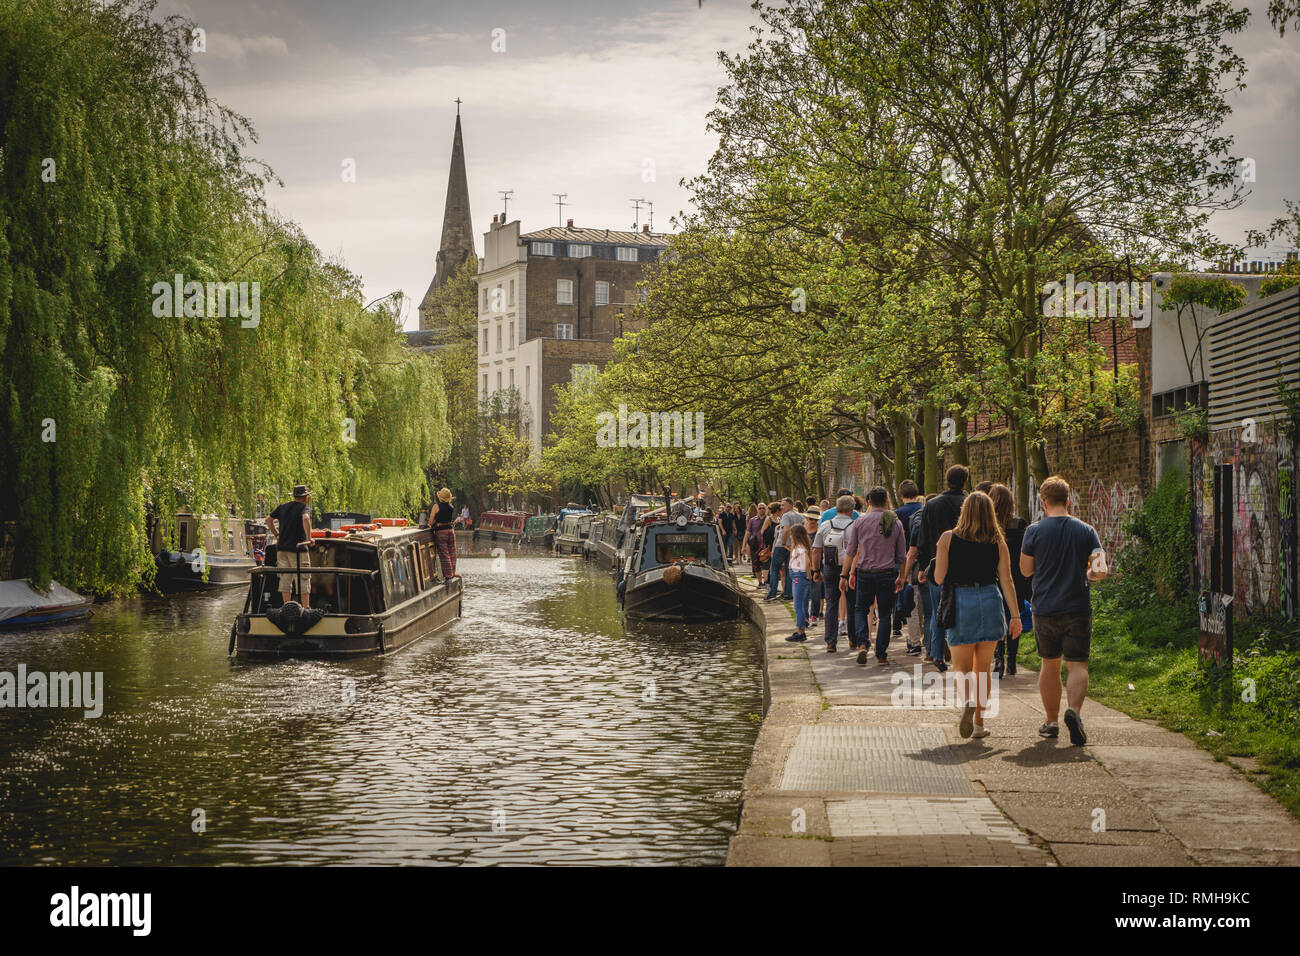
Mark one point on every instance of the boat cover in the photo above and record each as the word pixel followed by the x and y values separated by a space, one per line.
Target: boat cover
pixel 18 597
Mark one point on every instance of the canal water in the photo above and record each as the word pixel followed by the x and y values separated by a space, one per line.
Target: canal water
pixel 535 730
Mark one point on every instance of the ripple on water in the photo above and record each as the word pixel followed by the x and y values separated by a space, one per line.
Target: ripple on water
pixel 536 730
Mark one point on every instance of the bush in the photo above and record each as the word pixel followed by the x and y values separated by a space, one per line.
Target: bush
pixel 1157 562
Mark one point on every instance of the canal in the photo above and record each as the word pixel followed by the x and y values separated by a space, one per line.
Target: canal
pixel 535 730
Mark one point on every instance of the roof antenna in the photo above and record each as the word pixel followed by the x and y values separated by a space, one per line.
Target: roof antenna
pixel 559 201
pixel 652 216
pixel 637 203
pixel 505 195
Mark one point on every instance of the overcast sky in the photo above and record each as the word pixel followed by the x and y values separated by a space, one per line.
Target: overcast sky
pixel 589 98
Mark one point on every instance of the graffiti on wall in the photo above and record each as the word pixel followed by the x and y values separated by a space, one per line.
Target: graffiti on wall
pixel 1263 518
pixel 1252 540
pixel 1036 506
pixel 1109 507
pixel 1286 530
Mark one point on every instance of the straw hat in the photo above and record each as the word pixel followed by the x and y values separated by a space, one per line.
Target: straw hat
pixel 444 494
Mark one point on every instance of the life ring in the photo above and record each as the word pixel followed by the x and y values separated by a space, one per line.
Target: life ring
pixel 373 526
pixel 325 533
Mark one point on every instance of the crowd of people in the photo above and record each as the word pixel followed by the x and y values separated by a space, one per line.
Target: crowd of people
pixel 956 577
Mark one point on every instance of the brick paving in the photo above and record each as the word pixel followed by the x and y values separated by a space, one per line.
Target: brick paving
pixel 862 765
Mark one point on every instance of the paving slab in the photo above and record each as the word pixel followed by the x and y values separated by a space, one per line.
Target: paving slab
pixel 863 766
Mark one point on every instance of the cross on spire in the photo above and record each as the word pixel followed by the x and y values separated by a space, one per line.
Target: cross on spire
pixel 458 101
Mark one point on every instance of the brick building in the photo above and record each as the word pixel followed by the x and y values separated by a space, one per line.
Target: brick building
pixel 551 303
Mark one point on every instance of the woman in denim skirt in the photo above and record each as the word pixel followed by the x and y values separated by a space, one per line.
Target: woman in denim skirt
pixel 973 557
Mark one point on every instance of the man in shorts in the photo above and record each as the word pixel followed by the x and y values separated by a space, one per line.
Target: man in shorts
pixel 1062 554
pixel 291 523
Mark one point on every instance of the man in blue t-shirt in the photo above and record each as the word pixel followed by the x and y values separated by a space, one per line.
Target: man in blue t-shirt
pixel 1062 554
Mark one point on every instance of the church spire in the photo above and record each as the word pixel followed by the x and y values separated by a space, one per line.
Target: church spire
pixel 457 243
pixel 457 227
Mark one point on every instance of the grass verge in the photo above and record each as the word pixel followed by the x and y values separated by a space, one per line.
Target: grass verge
pixel 1145 664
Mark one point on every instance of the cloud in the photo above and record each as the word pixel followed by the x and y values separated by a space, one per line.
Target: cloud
pixel 237 50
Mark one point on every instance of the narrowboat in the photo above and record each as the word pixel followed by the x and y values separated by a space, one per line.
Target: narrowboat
pixel 677 572
pixel 213 552
pixel 571 535
pixel 334 520
pixel 591 546
pixel 373 589
pixel 21 605
pixel 500 526
pixel 536 528
pixel 607 547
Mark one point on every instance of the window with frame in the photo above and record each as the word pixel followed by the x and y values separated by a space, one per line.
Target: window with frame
pixel 512 291
pixel 543 249
pixel 579 250
pixel 512 378
pixel 626 254
pixel 485 300
pixel 564 292
pixel 484 383
pixel 602 293
pixel 485 342
pixel 563 330
pixel 512 335
pixel 498 381
pixel 498 336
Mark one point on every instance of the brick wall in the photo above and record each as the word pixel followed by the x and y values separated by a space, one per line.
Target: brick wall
pixel 597 322
pixel 558 358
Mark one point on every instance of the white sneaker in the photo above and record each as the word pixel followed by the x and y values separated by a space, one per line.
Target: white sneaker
pixel 979 731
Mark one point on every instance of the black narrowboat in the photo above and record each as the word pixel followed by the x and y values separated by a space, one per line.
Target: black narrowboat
pixel 373 589
pixel 677 572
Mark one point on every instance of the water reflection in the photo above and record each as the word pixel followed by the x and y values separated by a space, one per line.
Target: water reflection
pixel 536 730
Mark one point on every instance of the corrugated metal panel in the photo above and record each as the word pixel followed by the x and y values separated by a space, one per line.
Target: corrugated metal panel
pixel 1244 350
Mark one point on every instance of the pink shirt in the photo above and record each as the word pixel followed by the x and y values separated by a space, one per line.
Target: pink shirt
pixel 799 559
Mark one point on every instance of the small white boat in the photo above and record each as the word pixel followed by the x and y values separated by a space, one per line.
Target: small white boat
pixel 21 605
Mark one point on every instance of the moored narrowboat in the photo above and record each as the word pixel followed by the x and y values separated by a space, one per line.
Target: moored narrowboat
pixel 536 527
pixel 571 535
pixel 607 547
pixel 677 572
pixel 372 589
pixel 212 552
pixel 500 526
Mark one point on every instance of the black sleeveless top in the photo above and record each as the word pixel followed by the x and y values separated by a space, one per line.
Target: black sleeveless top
pixel 970 562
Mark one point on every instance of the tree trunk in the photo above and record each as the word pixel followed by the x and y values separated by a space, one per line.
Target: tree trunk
pixel 930 436
pixel 1020 467
pixel 902 434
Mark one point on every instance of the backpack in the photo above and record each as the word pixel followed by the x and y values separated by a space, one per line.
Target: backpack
pixel 834 541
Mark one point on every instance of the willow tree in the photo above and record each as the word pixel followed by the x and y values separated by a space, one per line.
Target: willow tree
pixel 117 175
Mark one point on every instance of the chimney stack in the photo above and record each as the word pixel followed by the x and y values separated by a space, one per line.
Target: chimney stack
pixel 645 228
pixel 494 220
pixel 570 223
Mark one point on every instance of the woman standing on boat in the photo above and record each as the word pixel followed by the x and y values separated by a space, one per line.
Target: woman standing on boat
pixel 444 537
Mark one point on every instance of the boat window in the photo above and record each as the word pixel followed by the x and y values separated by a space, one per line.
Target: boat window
pixel 185 536
pixel 675 547
pixel 230 540
pixel 216 539
pixel 429 562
